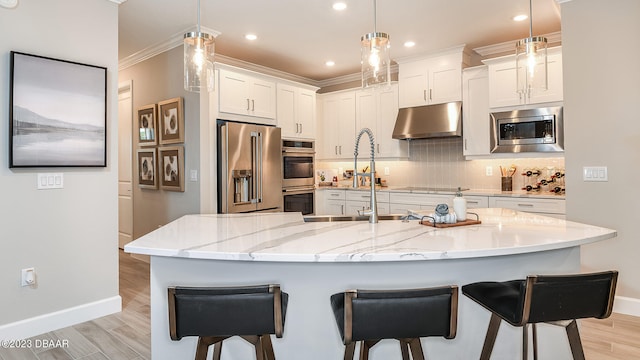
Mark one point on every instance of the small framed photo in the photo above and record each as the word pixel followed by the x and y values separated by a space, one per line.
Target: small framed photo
pixel 171 168
pixel 147 125
pixel 171 121
pixel 146 165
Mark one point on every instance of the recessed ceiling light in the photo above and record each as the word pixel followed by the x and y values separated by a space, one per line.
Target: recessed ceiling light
pixel 409 44
pixel 330 63
pixel 251 37
pixel 339 6
pixel 520 17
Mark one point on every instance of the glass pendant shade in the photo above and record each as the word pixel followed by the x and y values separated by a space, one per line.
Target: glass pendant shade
pixel 376 62
pixel 199 50
pixel 531 64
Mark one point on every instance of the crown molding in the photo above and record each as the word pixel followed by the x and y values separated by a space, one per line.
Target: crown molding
pixel 174 41
pixel 554 38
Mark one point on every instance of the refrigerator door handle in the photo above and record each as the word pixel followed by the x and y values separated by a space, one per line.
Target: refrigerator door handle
pixel 254 167
pixel 260 161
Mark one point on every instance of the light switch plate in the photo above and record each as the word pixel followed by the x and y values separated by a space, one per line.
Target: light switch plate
pixel 47 181
pixel 595 173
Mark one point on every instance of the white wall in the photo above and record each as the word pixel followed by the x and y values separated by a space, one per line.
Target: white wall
pixel 601 55
pixel 69 235
pixel 156 79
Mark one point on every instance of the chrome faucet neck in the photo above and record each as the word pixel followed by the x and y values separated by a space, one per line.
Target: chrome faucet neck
pixel 373 206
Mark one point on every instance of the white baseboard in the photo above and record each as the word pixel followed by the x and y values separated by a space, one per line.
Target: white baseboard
pixel 60 319
pixel 627 306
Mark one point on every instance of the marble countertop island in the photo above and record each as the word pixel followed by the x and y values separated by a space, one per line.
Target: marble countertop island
pixel 313 260
pixel 286 237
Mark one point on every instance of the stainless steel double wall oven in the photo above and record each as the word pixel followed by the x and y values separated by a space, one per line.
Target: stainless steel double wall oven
pixel 298 175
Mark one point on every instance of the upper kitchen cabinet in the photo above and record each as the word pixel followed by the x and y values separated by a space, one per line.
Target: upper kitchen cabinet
pixel 296 111
pixel 378 110
pixel 432 80
pixel 246 95
pixel 475 111
pixel 338 126
pixel 502 81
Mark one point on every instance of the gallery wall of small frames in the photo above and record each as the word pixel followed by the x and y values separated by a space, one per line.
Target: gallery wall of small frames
pixel 160 160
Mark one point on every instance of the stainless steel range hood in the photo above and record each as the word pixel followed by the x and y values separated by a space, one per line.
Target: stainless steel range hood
pixel 429 121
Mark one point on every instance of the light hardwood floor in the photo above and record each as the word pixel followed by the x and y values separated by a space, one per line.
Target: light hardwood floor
pixel 126 335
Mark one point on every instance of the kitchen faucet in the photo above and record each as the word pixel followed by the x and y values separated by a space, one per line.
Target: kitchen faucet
pixel 373 207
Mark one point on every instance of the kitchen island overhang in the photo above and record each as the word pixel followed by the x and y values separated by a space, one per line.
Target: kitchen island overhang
pixel 311 261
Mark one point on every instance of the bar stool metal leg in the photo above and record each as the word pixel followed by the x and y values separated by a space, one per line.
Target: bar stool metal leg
pixel 404 348
pixel 535 342
pixel 268 347
pixel 490 338
pixel 525 342
pixel 574 340
pixel 416 349
pixel 349 350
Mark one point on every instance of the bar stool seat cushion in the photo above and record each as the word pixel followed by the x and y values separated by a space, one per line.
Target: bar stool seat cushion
pixel 229 315
pixel 502 298
pixel 396 314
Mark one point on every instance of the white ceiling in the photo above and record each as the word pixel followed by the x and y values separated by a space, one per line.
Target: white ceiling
pixel 299 36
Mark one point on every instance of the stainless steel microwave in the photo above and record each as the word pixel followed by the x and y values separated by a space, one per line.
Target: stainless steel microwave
pixel 527 130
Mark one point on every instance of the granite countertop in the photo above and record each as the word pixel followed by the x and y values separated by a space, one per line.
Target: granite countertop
pixel 471 192
pixel 285 237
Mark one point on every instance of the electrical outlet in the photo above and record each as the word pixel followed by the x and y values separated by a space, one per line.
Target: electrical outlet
pixel 28 277
pixel 386 170
pixel 489 171
pixel 193 175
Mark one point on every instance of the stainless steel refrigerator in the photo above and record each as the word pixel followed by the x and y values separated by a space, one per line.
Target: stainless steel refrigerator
pixel 249 168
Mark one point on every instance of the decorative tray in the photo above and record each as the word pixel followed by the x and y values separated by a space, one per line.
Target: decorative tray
pixel 430 221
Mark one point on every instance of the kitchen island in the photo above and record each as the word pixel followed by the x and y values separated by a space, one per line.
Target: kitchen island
pixel 312 260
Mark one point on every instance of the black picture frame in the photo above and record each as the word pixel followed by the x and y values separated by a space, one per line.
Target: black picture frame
pixel 57 113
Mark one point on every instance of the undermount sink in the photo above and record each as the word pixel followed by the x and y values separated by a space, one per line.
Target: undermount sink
pixel 334 218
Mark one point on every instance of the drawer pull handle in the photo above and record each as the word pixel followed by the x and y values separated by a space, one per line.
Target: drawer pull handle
pixel 525 205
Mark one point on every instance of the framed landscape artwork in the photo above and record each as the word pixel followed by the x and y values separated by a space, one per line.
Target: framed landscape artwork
pixel 147 125
pixel 146 166
pixel 172 168
pixel 57 113
pixel 171 121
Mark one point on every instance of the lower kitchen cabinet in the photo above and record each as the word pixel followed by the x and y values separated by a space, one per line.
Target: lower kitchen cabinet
pixel 361 201
pixel 400 203
pixel 549 207
pixel 330 202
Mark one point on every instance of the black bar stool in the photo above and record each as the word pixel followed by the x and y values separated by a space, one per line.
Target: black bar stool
pixel 215 314
pixel 557 300
pixel 369 316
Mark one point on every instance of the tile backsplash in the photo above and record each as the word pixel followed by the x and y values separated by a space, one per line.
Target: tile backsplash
pixel 440 163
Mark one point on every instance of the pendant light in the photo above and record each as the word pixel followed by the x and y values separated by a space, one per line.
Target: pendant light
pixel 376 64
pixel 198 59
pixel 531 62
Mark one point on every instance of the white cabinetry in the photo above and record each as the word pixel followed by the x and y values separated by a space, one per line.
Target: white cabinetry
pixel 550 207
pixel 330 202
pixel 432 80
pixel 338 126
pixel 361 201
pixel 243 94
pixel 475 111
pixel 399 203
pixel 502 81
pixel 378 110
pixel 296 111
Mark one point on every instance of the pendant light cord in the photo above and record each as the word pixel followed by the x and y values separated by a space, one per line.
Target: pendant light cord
pixel 375 16
pixel 198 16
pixel 530 19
